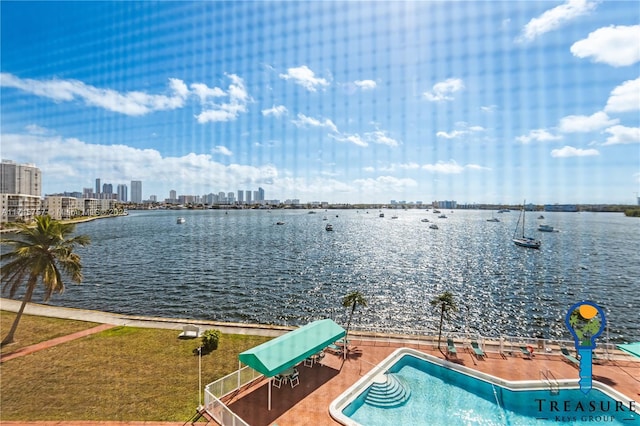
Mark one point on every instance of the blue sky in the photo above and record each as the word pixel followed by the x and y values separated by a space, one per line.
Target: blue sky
pixel 330 101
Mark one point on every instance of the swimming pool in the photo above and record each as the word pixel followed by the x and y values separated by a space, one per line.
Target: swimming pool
pixel 410 387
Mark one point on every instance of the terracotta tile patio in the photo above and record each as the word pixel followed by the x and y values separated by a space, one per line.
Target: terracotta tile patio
pixel 308 403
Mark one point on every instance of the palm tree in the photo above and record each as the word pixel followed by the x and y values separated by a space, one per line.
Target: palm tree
pixel 352 299
pixel 447 304
pixel 41 254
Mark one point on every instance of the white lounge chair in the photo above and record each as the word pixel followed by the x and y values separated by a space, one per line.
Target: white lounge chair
pixel 189 331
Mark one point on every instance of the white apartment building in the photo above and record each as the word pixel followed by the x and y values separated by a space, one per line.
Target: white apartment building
pixel 20 189
pixel 60 207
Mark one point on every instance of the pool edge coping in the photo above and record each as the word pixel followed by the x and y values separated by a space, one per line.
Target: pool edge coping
pixel 352 392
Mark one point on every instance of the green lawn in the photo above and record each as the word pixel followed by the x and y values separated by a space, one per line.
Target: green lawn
pixel 35 329
pixel 121 374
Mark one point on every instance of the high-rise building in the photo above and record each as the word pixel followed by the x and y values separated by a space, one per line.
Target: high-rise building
pixel 136 191
pixel 24 179
pixel 122 192
pixel 240 196
pixel 107 190
pixel 248 193
pixel 97 186
pixel 260 194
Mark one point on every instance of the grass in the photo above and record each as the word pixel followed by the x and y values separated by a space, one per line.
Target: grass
pixel 36 329
pixel 121 374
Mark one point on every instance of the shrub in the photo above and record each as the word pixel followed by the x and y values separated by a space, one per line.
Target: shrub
pixel 210 339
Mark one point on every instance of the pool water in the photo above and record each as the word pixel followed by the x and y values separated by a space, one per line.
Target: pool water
pixel 442 396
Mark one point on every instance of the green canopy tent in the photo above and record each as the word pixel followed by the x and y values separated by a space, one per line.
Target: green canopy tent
pixel 631 348
pixel 286 351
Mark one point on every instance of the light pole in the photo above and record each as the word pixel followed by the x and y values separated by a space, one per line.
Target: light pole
pixel 199 376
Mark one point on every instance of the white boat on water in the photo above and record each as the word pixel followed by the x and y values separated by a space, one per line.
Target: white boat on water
pixel 493 219
pixel 328 227
pixel 546 228
pixel 520 239
pixel 180 220
pixel 424 220
pixel 443 216
pixel 433 226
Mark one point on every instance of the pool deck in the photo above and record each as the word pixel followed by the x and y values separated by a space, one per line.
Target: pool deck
pixel 308 403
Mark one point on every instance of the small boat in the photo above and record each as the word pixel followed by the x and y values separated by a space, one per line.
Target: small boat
pixel 540 217
pixel 504 211
pixel 381 215
pixel 279 223
pixel 180 220
pixel 493 219
pixel 443 216
pixel 424 220
pixel 433 226
pixel 394 217
pixel 328 227
pixel 436 211
pixel 546 228
pixel 325 218
pixel 520 239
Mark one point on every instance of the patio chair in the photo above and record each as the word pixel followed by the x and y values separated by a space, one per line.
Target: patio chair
pixel 567 356
pixel 308 362
pixel 476 348
pixel 526 353
pixel 451 348
pixel 277 381
pixel 334 349
pixel 294 380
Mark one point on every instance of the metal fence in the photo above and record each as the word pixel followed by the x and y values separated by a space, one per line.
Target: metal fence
pixel 214 391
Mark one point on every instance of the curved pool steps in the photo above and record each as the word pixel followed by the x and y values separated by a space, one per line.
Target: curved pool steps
pixel 387 391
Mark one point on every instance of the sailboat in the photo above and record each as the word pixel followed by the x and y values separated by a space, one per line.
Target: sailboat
pixel 521 240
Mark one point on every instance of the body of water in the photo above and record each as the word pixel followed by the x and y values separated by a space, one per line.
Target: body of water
pixel 240 266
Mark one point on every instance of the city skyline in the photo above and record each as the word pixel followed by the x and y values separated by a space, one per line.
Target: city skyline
pixel 352 102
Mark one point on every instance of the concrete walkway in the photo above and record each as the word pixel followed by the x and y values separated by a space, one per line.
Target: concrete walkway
pixel 140 321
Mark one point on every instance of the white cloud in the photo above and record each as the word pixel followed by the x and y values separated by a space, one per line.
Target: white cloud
pixel 203 92
pixel 488 108
pixel 586 123
pixel 225 111
pixel 223 150
pixel 540 135
pixel 354 139
pixel 555 18
pixel 451 135
pixel 381 137
pixel 136 103
pixel 444 90
pixel 305 77
pixel 450 167
pixel 365 84
pixel 305 121
pixel 276 111
pixel 623 135
pixel 462 129
pixel 569 151
pixel 130 103
pixel 34 129
pixel 71 164
pixel 625 97
pixel 617 46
